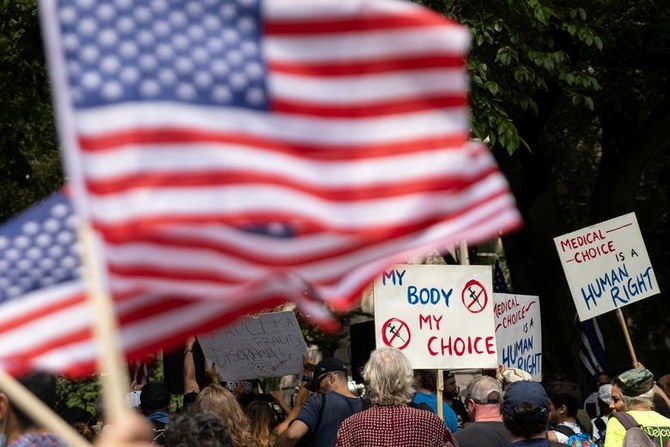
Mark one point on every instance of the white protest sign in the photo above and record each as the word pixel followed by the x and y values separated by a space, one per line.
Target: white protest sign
pixel 607 266
pixel 267 345
pixel 519 332
pixel 439 316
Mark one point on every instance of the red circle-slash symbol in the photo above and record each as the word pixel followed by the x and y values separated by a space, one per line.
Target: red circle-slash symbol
pixel 396 333
pixel 474 296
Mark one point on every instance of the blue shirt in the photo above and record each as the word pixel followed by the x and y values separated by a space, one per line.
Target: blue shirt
pixel 336 410
pixel 431 400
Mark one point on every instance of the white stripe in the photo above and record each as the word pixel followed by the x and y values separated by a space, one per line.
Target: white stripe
pixel 133 160
pixel 275 126
pixel 342 90
pixel 363 46
pixel 396 210
pixel 317 273
pixel 328 9
pixel 31 302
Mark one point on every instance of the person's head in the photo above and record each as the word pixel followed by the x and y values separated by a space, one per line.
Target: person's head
pixel 605 398
pixel 216 399
pixel 449 391
pixel 197 429
pixel 329 374
pixel 483 393
pixel 526 410
pixel 154 397
pixel 565 400
pixel 13 420
pixel 425 379
pixel 664 384
pixel 263 419
pixel 634 389
pixel 389 378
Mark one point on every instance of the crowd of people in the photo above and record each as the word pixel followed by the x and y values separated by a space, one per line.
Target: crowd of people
pixel 398 409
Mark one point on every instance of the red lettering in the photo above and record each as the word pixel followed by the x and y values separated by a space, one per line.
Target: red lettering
pixel 430 348
pixel 490 349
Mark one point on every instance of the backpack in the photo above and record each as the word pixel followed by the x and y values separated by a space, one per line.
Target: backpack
pixel 635 437
pixel 601 426
pixel 575 439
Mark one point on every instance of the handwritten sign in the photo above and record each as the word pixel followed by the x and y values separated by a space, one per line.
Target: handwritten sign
pixel 519 332
pixel 607 266
pixel 269 345
pixel 440 316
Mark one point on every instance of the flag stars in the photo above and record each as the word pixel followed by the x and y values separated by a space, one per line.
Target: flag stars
pixel 186 91
pixel 167 77
pixel 159 6
pixel 22 242
pixel 108 38
pixel 106 13
pixel 142 15
pixel 87 27
pixel 68 15
pixel 112 90
pixel 178 19
pixel 89 54
pixel 150 88
pixel 35 254
pixel 162 28
pixel 130 75
pixel 52 225
pixel 43 240
pixel 125 25
pixel 110 64
pixel 128 50
pixel 30 228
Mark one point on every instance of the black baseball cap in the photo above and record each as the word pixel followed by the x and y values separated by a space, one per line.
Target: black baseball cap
pixel 326 365
pixel 154 396
pixel 527 392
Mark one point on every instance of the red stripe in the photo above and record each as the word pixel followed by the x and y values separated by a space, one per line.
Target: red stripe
pixel 131 229
pixel 355 67
pixel 366 22
pixel 224 178
pixel 169 136
pixel 192 242
pixel 43 312
pixel 363 110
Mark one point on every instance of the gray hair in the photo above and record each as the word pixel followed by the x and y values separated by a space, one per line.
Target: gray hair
pixel 643 400
pixel 389 378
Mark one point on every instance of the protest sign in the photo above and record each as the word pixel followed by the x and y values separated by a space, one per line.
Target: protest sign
pixel 607 266
pixel 267 345
pixel 519 332
pixel 439 316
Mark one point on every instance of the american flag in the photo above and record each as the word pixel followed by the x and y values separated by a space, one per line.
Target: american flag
pixel 45 318
pixel 343 120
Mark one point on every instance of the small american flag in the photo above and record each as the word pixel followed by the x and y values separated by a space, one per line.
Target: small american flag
pixel 344 120
pixel 45 319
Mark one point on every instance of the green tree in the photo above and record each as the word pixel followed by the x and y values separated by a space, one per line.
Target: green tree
pixel 29 159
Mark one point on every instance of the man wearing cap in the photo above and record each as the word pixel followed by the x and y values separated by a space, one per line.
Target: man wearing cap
pixel 526 414
pixel 483 400
pixel 155 404
pixel 635 391
pixel 320 417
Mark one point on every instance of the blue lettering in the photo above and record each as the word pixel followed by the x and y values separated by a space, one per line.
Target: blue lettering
pixel 426 295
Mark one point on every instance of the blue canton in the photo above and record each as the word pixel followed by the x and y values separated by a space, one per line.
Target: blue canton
pixel 205 52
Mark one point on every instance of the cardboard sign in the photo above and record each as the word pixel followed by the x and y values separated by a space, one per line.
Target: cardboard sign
pixel 519 332
pixel 440 316
pixel 607 266
pixel 269 345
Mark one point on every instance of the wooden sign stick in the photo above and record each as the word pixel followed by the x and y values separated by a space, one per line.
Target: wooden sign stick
pixel 113 373
pixel 626 334
pixel 25 400
pixel 440 387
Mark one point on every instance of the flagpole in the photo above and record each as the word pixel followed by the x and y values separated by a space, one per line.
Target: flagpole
pixel 20 397
pixel 111 366
pixel 626 334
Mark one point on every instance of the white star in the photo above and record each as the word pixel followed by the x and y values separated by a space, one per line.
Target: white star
pixel 43 240
pixel 91 80
pixel 142 14
pixel 71 42
pixel 184 65
pixel 255 96
pixel 110 64
pixel 108 38
pixel 129 75
pixel 178 19
pixel 112 90
pixel 106 13
pixel 87 26
pixel 4 242
pixel 203 79
pixel 194 9
pixel 128 50
pixel 186 91
pixel 167 77
pixel 60 210
pixel 68 15
pixel 126 25
pixel 51 225
pixel 211 23
pixel 65 238
pixel 89 54
pixel 148 62
pixel 221 94
pixel 150 88
pixel 22 242
pixel 31 228
pixel 162 28
pixel 196 33
pixel 34 254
